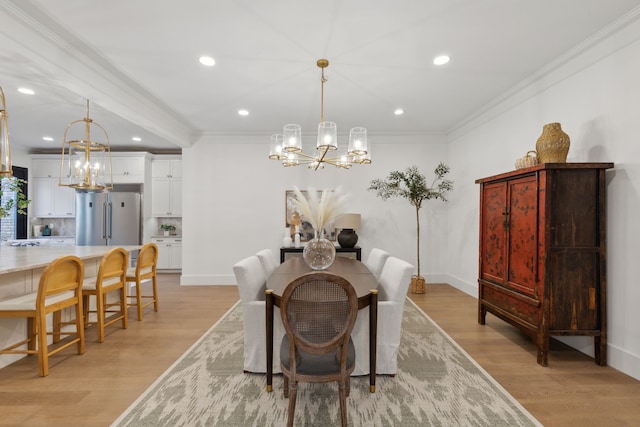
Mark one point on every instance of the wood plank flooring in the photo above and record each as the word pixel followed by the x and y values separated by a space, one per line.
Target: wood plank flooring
pixel 94 389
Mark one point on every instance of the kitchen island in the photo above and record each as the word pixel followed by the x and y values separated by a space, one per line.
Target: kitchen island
pixel 20 270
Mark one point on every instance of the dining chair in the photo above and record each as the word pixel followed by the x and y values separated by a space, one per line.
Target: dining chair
pixel 318 311
pixel 59 287
pixel 144 271
pixel 251 279
pixel 375 261
pixel 268 261
pixel 392 292
pixel 111 277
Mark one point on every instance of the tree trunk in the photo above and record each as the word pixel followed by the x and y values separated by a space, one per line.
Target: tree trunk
pixel 418 236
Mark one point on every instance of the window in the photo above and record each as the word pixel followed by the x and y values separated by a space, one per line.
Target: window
pixel 13 226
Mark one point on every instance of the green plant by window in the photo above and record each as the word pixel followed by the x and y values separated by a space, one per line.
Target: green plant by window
pixel 20 202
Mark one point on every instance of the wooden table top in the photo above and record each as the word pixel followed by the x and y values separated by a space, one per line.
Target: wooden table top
pixel 362 280
pixel 19 258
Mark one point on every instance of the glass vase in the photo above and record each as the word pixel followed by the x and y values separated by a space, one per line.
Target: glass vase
pixel 319 253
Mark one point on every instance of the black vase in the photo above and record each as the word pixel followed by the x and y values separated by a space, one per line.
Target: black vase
pixel 347 238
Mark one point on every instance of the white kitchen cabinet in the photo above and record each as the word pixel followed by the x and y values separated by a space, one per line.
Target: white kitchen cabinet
pixel 49 200
pixel 62 241
pixel 166 188
pixel 169 252
pixel 166 168
pixel 127 169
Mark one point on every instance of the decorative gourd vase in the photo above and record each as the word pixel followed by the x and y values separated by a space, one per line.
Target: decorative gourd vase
pixel 319 253
pixel 553 145
pixel 347 238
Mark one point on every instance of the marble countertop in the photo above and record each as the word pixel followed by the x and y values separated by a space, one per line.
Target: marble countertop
pixel 17 258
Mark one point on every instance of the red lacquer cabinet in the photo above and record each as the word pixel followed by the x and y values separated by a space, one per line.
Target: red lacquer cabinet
pixel 542 258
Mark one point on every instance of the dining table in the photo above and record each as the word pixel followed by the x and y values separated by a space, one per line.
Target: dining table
pixel 360 277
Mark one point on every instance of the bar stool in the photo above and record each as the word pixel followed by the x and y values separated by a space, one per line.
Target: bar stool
pixel 144 271
pixel 60 287
pixel 111 277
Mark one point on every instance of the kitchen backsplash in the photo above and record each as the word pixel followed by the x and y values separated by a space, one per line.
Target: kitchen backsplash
pixel 67 226
pixel 59 226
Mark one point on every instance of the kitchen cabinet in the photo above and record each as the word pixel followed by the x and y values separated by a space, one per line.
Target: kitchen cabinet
pixel 166 168
pixel 542 256
pixel 169 252
pixel 49 200
pixel 166 188
pixel 62 241
pixel 127 169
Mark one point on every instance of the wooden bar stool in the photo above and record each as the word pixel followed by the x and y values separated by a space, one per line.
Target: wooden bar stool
pixel 144 271
pixel 60 287
pixel 111 278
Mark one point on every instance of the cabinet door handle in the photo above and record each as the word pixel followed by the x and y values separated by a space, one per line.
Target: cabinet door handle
pixel 505 222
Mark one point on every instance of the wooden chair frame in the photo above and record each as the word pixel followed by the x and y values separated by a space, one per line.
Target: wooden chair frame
pixel 111 277
pixel 299 344
pixel 145 270
pixel 59 287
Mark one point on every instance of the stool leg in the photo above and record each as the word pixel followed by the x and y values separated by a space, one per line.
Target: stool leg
pixel 32 331
pixel 155 293
pixel 80 325
pixel 43 351
pixel 57 320
pixel 100 302
pixel 139 298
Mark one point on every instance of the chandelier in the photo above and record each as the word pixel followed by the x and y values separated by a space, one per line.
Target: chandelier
pixel 86 164
pixel 6 169
pixel 287 146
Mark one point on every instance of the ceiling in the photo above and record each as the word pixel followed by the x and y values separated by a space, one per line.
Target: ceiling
pixel 137 63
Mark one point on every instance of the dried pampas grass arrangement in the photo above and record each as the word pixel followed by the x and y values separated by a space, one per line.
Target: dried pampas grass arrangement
pixel 320 208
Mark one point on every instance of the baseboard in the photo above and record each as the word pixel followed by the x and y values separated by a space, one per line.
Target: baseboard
pixel 466 287
pixel 202 280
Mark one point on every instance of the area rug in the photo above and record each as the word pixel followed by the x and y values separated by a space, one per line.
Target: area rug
pixel 438 384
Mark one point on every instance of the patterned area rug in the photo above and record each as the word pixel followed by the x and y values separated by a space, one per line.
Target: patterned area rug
pixel 438 384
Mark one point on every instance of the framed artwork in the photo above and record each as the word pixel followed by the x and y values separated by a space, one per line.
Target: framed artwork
pixel 293 218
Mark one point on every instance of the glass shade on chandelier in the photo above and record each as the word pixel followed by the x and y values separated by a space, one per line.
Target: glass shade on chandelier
pixel 287 146
pixel 86 163
pixel 6 169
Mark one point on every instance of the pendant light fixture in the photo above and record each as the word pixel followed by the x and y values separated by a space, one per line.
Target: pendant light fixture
pixel 86 163
pixel 6 168
pixel 287 146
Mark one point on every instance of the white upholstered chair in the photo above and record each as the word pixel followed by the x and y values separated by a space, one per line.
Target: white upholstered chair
pixel 392 291
pixel 268 261
pixel 251 278
pixel 375 261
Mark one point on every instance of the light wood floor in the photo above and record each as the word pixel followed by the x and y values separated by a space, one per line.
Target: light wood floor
pixel 94 389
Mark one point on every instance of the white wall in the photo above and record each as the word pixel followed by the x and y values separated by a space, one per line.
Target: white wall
pixel 596 97
pixel 233 203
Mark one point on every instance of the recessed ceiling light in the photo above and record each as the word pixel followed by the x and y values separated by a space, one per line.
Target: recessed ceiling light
pixel 207 60
pixel 441 60
pixel 47 138
pixel 26 90
pixel 399 112
pixel 243 112
pixel 136 139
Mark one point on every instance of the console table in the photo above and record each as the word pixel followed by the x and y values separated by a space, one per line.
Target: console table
pixel 284 251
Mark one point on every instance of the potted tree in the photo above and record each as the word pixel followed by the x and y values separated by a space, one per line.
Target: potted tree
pixel 413 186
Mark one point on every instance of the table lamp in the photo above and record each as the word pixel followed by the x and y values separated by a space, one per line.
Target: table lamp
pixel 348 223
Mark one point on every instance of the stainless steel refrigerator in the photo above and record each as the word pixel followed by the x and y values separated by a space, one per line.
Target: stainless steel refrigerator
pixel 108 218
